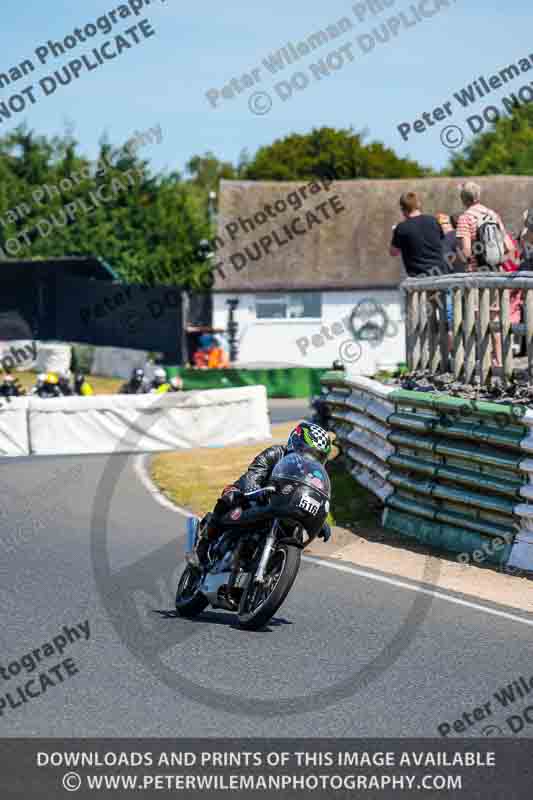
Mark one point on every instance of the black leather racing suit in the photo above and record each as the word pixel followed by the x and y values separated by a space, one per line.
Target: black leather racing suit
pixel 258 473
pixel 134 387
pixel 9 390
pixel 256 477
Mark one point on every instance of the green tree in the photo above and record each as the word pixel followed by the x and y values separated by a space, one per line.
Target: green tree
pixel 149 228
pixel 206 171
pixel 505 149
pixel 327 152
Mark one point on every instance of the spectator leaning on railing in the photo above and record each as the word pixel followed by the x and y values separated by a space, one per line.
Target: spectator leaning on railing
pixel 482 240
pixel 483 244
pixel 449 243
pixel 449 251
pixel 418 239
pixel 526 240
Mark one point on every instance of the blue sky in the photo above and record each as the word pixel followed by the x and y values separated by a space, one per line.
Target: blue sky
pixel 202 46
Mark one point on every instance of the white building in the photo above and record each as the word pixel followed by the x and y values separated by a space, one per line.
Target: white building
pixel 312 328
pixel 299 275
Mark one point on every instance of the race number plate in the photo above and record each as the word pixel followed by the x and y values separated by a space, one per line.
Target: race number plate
pixel 309 505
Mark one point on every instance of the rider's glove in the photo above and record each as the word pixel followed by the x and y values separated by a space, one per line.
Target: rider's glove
pixel 325 532
pixel 231 497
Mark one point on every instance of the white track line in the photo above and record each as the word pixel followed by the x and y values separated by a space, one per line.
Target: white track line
pixel 420 589
pixel 149 485
pixel 139 465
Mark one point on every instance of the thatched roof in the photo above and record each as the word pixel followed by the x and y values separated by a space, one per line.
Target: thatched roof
pixel 350 250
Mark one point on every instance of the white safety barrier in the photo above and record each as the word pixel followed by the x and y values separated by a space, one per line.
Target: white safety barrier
pixel 18 354
pixel 24 354
pixel 117 362
pixel 148 423
pixel 14 427
pixel 53 357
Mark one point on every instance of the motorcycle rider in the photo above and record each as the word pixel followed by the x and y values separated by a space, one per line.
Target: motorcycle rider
pixel 10 387
pixel 305 438
pixel 39 383
pixel 159 384
pixel 136 384
pixel 50 386
pixel 63 381
pixel 82 387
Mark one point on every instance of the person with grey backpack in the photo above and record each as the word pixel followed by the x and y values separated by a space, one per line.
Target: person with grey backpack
pixel 483 242
pixel 483 245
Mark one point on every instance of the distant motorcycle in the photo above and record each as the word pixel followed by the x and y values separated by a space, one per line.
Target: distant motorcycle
pixel 254 562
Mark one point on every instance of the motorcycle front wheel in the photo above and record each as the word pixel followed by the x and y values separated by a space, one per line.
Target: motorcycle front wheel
pixel 260 601
pixel 189 601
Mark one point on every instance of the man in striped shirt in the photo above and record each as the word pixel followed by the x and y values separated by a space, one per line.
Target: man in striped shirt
pixel 469 224
pixel 469 249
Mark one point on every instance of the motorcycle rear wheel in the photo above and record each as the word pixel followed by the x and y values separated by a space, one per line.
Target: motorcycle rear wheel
pixel 189 601
pixel 260 602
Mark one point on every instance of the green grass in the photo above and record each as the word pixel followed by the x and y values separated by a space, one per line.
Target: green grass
pixel 352 506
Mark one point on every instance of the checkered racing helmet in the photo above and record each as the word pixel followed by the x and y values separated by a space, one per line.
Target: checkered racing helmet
pixel 311 439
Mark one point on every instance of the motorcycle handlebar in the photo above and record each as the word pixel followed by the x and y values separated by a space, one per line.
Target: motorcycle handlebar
pixel 259 492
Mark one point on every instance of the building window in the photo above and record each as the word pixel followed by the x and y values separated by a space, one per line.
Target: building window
pixel 293 305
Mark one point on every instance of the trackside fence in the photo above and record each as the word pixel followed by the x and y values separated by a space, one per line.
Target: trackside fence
pixel 452 474
pixel 481 304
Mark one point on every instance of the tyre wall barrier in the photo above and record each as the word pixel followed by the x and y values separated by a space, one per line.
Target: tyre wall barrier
pixel 133 423
pixel 452 474
pixel 359 409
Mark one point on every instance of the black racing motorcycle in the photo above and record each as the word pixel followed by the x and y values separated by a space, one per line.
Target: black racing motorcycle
pixel 255 560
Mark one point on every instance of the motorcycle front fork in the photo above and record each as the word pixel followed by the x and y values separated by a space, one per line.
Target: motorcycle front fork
pixel 270 543
pixel 235 565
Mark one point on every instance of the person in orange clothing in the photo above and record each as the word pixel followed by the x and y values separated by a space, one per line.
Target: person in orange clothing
pixel 201 356
pixel 217 357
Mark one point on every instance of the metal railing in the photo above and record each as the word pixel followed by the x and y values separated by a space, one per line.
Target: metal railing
pixel 481 305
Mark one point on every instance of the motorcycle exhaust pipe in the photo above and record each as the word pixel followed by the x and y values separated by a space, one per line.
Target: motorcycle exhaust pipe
pixel 191 538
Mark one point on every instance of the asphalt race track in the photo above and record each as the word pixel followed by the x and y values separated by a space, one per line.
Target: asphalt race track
pixel 348 655
pixel 287 410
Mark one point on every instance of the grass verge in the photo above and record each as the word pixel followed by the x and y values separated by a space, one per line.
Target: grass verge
pixel 352 506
